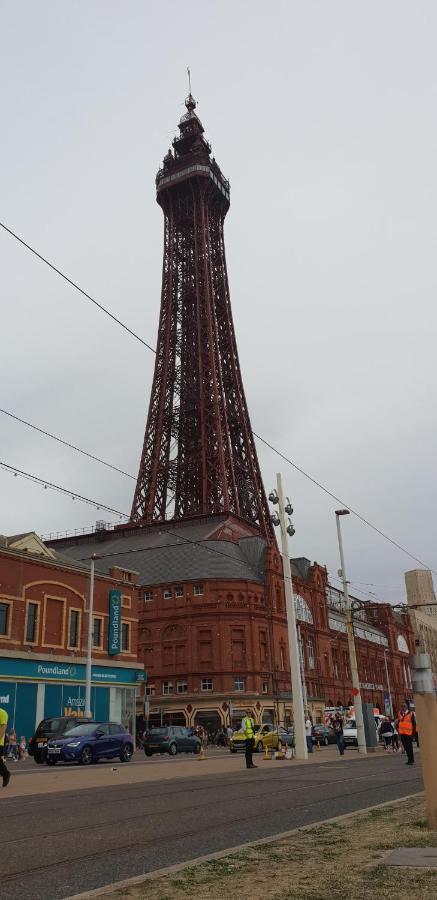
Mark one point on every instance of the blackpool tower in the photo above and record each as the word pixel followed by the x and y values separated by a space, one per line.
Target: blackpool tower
pixel 199 455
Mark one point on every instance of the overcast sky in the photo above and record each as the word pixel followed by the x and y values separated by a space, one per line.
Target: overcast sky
pixel 322 115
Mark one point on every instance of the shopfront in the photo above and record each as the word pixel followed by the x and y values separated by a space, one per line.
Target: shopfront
pixel 32 689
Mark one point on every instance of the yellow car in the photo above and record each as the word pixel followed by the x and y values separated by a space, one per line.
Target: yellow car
pixel 269 736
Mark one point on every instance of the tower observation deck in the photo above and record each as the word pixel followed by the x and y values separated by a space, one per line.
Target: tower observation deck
pixel 199 455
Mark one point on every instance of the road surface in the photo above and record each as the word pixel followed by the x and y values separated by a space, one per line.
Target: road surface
pixel 56 845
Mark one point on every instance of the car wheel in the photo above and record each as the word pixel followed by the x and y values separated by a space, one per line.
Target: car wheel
pixel 126 753
pixel 86 756
pixel 196 748
pixel 260 747
pixel 325 741
pixel 50 761
pixel 148 752
pixel 39 758
pixel 172 749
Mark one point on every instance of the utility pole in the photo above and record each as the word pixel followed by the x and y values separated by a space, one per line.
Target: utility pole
pixel 89 656
pixel 361 737
pixel 293 646
pixel 426 713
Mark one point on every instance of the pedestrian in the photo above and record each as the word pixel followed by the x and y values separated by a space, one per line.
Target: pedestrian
pixel 386 732
pixel 337 726
pixel 248 728
pixel 229 733
pixel 407 728
pixel 22 748
pixel 309 733
pixel 395 738
pixel 12 744
pixel 4 771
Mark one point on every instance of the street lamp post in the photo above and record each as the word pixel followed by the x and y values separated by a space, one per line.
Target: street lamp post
pixel 293 646
pixel 387 679
pixel 89 659
pixel 361 737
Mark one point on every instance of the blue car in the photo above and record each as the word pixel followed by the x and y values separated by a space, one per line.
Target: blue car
pixel 89 742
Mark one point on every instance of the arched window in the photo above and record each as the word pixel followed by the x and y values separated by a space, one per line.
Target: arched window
pixel 402 644
pixel 303 612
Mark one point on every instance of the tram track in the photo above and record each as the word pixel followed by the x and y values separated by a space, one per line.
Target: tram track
pixel 147 843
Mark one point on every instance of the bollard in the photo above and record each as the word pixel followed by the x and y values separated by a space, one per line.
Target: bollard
pixel 266 752
pixel 317 744
pixel 202 752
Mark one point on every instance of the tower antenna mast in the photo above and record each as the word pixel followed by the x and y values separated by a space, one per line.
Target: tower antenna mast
pixel 189 79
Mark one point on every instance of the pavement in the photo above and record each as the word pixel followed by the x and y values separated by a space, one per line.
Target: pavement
pixel 28 778
pixel 71 829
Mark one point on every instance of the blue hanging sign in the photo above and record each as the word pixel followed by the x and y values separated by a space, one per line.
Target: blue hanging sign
pixel 114 634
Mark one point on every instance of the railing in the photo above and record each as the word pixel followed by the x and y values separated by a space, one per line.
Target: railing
pixel 97 528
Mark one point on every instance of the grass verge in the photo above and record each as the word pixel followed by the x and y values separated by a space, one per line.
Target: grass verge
pixel 332 861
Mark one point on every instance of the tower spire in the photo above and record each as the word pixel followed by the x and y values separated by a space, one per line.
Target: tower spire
pixel 199 453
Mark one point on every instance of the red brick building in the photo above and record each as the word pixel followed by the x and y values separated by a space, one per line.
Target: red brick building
pixel 43 636
pixel 212 624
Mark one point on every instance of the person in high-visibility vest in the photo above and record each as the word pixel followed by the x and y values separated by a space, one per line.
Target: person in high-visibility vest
pixel 406 729
pixel 248 727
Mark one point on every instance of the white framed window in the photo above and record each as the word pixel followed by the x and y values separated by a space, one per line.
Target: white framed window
pixel 168 594
pixel 198 590
pixel 179 592
pixel 239 683
pixel 148 596
pixel 265 687
pixel 206 684
pixel 182 687
pixel 150 690
pixel 167 687
pixel 302 609
pixel 310 651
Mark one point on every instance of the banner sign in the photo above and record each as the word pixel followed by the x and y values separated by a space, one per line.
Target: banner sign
pixel 46 670
pixel 114 632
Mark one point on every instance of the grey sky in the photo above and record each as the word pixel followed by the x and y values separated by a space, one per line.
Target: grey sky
pixel 322 114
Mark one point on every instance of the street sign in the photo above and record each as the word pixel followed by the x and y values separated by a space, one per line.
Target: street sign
pixel 114 630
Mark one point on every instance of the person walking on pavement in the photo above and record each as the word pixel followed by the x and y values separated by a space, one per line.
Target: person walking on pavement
pixel 4 771
pixel 406 729
pixel 386 732
pixel 309 733
pixel 248 727
pixel 337 726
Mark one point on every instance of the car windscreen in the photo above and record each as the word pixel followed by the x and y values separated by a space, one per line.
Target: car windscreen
pixel 80 730
pixel 50 725
pixel 159 730
pixel 351 724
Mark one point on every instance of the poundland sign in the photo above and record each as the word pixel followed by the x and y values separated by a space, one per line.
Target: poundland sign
pixel 43 670
pixel 114 634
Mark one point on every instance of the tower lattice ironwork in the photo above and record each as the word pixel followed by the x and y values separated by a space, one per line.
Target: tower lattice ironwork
pixel 199 454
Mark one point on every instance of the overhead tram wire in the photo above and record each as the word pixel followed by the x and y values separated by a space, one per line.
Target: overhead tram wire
pixel 76 286
pixel 60 440
pixel 56 487
pixel 263 440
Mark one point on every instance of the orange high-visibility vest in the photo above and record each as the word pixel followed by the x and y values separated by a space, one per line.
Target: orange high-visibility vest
pixel 406 724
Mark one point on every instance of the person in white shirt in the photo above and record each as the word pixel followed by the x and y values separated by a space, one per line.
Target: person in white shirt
pixel 309 733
